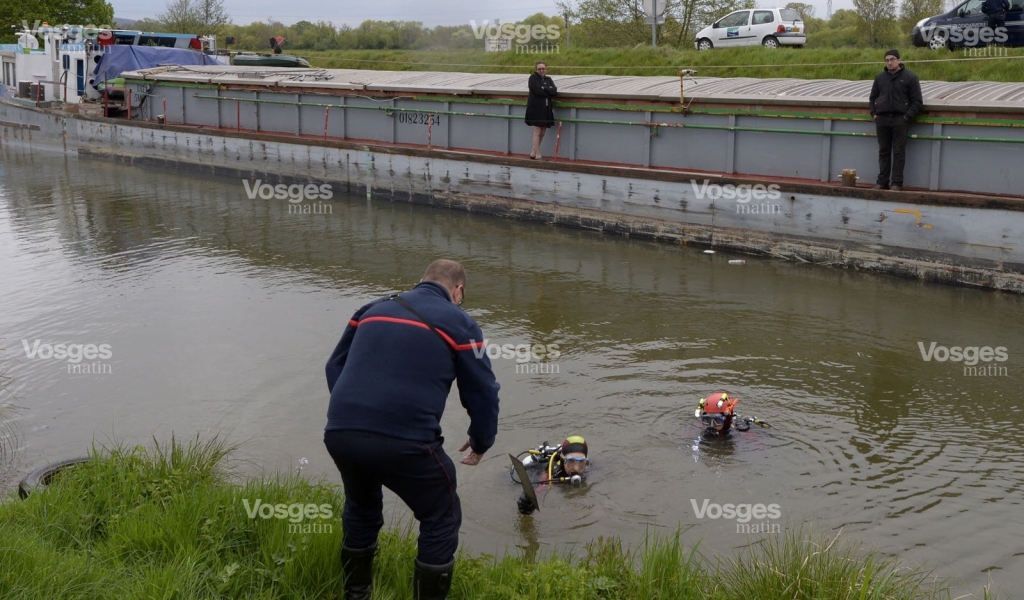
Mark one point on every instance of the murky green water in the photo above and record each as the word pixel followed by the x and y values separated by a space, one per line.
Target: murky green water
pixel 219 313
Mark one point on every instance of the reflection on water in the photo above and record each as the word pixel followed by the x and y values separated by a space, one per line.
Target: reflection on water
pixel 220 311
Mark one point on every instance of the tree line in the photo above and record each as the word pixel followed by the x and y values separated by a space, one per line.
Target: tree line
pixel 591 24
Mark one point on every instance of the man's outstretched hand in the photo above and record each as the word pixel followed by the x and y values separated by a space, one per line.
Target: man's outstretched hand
pixel 471 457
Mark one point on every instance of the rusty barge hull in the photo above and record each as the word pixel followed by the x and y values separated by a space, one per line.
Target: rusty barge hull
pixel 953 238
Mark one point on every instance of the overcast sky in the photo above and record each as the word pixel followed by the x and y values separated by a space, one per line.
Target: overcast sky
pixel 429 12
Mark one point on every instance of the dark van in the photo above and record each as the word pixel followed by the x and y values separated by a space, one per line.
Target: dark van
pixel 966 26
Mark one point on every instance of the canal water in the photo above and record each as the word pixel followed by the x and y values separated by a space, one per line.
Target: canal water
pixel 213 314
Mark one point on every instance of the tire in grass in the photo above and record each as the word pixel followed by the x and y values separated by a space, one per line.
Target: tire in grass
pixel 40 478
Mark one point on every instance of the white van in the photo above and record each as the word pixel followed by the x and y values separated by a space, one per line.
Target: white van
pixel 769 27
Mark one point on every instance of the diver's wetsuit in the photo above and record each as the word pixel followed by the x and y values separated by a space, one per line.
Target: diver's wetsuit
pixel 735 423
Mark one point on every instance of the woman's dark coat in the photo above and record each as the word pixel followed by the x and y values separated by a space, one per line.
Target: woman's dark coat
pixel 539 112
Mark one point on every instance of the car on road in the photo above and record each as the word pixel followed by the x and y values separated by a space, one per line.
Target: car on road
pixel 966 26
pixel 768 27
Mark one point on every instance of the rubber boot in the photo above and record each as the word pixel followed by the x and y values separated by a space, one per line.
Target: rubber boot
pixel 358 567
pixel 432 582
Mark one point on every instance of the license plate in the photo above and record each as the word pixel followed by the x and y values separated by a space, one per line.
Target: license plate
pixel 796 30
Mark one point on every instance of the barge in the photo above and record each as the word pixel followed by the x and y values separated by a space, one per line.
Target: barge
pixel 740 164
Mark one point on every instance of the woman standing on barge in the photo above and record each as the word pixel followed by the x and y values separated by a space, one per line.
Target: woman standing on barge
pixel 539 106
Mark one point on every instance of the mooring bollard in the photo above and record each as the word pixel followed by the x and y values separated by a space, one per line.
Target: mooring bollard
pixel 849 177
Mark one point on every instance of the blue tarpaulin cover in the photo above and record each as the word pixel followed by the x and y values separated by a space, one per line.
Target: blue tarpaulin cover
pixel 118 59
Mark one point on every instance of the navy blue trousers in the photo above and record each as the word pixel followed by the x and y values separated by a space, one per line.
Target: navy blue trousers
pixel 420 473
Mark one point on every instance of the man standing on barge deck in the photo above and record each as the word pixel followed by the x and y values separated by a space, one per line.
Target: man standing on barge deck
pixel 894 102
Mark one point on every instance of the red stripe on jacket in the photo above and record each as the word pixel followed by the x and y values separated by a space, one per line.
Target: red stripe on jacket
pixel 421 325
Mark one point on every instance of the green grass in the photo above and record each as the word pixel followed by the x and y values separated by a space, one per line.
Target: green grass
pixel 803 63
pixel 804 568
pixel 162 522
pixel 169 522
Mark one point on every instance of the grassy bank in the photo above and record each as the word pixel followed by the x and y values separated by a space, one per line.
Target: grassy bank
pixel 166 522
pixel 804 63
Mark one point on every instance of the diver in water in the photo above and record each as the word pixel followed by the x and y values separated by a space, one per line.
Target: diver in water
pixel 552 464
pixel 717 413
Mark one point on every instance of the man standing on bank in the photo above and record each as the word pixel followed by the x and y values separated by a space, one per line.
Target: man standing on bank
pixel 389 379
pixel 540 113
pixel 996 12
pixel 894 102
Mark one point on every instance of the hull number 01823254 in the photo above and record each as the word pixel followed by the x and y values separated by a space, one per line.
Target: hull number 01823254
pixel 419 118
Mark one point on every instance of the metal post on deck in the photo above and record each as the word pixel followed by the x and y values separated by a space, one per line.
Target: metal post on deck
pixel 508 129
pixel 327 116
pixel 826 152
pixel 394 122
pixel 430 130
pixel 558 139
pixel 730 149
pixel 683 107
pixel 936 162
pixel 652 132
pixel 344 118
pixel 106 102
pixel 575 133
pixel 448 126
pixel 128 93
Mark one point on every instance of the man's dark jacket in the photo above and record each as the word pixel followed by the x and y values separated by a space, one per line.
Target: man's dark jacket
pixel 896 93
pixel 994 7
pixel 391 374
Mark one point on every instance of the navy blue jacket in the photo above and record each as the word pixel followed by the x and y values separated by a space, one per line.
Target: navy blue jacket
pixel 390 374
